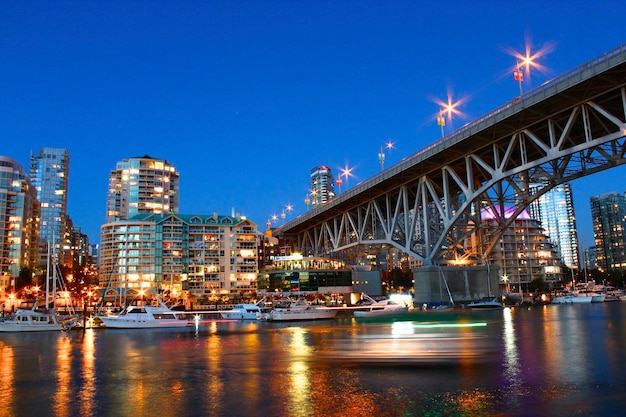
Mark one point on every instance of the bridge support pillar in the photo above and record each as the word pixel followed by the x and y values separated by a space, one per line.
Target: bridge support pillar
pixel 462 284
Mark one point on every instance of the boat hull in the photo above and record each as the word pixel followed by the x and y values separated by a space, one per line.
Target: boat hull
pixel 142 323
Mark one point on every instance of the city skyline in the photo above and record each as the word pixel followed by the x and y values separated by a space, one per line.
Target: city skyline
pixel 246 98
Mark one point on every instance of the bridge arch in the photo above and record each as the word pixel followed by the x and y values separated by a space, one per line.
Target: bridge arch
pixel 431 204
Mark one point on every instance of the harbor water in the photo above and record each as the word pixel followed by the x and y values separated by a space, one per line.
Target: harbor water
pixel 555 360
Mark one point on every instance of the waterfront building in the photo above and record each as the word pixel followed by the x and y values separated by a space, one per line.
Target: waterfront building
pixel 608 212
pixel 555 211
pixel 524 252
pixel 322 185
pixel 197 257
pixel 142 185
pixel 19 223
pixel 49 172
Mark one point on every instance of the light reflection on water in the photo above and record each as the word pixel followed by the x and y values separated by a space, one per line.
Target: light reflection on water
pixel 554 360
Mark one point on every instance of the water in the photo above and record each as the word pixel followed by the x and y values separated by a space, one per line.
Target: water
pixel 558 360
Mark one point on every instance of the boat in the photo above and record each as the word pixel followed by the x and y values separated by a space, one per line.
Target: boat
pixel 384 308
pixel 487 303
pixel 31 316
pixel 146 314
pixel 243 312
pixel 300 310
pixel 41 314
pixel 571 298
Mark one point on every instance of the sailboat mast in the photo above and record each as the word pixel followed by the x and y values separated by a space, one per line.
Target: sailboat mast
pixel 48 277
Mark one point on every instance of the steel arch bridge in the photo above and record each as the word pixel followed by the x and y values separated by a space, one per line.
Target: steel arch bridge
pixel 431 205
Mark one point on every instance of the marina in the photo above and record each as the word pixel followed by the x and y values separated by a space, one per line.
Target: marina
pixel 511 362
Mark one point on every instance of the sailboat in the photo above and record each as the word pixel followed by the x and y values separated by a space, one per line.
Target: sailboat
pixel 40 315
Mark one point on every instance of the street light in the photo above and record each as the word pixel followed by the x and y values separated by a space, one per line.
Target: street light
pixel 441 121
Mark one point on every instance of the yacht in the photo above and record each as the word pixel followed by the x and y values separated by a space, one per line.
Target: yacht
pixel 31 317
pixel 571 297
pixel 300 310
pixel 368 307
pixel 487 303
pixel 243 312
pixel 144 314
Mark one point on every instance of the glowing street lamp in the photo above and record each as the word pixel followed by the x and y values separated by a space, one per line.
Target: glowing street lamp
pixel 307 201
pixel 346 172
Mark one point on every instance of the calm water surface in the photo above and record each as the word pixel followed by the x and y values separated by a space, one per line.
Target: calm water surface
pixel 560 360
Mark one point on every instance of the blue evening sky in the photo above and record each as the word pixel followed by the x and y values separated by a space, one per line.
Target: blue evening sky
pixel 245 97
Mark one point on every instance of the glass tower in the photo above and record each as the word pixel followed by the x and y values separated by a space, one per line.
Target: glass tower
pixel 142 185
pixel 608 212
pixel 322 185
pixel 555 211
pixel 49 172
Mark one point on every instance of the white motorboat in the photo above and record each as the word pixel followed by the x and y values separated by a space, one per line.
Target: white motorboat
pixel 300 310
pixel 31 317
pixel 487 303
pixel 571 298
pixel 243 312
pixel 368 307
pixel 142 314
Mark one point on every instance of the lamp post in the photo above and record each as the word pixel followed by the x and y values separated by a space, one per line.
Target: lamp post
pixel 338 182
pixel 381 158
pixel 307 202
pixel 518 75
pixel 441 121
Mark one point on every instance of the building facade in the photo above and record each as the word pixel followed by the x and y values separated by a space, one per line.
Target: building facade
pixel 608 212
pixel 49 172
pixel 524 253
pixel 19 223
pixel 555 211
pixel 322 185
pixel 142 185
pixel 195 257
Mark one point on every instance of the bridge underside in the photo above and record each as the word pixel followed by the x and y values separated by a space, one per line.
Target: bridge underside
pixel 435 209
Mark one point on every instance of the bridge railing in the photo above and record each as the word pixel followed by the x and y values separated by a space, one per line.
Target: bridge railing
pixel 566 79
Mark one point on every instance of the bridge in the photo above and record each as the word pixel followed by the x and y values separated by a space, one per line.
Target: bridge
pixel 430 204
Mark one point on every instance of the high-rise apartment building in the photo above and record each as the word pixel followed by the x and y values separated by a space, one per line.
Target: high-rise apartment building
pixel 49 172
pixel 142 185
pixel 608 212
pixel 19 227
pixel 184 256
pixel 555 211
pixel 524 252
pixel 322 185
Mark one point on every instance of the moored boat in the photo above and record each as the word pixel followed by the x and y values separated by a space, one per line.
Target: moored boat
pixel 300 310
pixel 371 308
pixel 487 303
pixel 32 317
pixel 243 312
pixel 142 314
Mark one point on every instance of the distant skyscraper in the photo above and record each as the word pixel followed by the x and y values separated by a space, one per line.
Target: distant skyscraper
pixel 322 185
pixel 19 213
pixel 555 211
pixel 49 172
pixel 608 212
pixel 142 185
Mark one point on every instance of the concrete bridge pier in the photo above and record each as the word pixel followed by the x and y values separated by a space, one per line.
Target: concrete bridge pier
pixel 462 284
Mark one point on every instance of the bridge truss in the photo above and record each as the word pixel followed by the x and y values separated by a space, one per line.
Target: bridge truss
pixel 432 205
